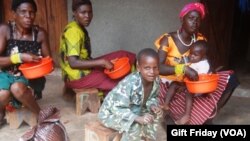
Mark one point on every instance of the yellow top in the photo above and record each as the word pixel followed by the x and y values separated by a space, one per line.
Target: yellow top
pixel 173 55
pixel 74 42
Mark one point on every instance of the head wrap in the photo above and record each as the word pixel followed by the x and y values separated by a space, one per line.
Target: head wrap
pixel 16 3
pixel 199 7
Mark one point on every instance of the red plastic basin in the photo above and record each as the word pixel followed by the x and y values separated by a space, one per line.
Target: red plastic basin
pixel 207 83
pixel 120 69
pixel 36 70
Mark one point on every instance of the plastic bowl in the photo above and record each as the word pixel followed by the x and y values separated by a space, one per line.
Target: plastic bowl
pixel 120 69
pixel 36 70
pixel 207 83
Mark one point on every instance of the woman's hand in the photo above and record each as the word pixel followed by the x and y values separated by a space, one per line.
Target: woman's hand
pixel 28 57
pixel 107 64
pixel 191 74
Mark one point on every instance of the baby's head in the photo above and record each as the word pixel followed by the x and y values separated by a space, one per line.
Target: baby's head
pixel 148 64
pixel 198 51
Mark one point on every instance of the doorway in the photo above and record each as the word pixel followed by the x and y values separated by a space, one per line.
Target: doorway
pixel 227 29
pixel 1 11
pixel 239 58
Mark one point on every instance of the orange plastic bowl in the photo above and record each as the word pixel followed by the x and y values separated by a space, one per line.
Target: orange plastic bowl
pixel 207 83
pixel 120 69
pixel 36 70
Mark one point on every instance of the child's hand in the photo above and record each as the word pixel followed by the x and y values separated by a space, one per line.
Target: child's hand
pixel 140 119
pixel 156 110
pixel 146 119
pixel 191 74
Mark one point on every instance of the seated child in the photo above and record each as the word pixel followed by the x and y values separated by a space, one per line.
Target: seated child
pixel 132 106
pixel 198 61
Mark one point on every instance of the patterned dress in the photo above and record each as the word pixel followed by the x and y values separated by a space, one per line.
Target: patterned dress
pixel 124 103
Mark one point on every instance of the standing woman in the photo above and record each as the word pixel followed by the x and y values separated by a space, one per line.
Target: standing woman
pixel 21 42
pixel 173 48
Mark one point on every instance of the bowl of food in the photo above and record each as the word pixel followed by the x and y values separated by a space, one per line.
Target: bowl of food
pixel 207 83
pixel 120 69
pixel 37 69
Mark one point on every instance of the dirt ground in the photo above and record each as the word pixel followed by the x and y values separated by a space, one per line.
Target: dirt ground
pixel 236 111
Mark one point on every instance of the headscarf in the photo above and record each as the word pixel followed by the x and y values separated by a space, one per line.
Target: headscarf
pixel 199 7
pixel 16 3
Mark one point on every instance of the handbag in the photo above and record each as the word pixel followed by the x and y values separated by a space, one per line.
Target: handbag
pixel 48 128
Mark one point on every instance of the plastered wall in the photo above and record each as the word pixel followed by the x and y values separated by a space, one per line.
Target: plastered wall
pixel 131 24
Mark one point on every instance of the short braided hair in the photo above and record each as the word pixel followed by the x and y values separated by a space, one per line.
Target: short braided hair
pixel 147 52
pixel 77 3
pixel 17 3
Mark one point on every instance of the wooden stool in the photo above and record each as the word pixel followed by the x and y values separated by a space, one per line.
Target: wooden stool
pixel 95 131
pixel 87 99
pixel 17 117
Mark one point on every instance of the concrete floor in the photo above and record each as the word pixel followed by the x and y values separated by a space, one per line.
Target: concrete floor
pixel 236 111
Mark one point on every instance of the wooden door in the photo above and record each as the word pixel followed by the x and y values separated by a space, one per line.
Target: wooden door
pixel 217 27
pixel 51 15
pixel 1 11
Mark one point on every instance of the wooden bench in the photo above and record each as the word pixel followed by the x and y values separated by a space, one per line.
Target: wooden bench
pixel 84 98
pixel 95 131
pixel 18 116
pixel 87 99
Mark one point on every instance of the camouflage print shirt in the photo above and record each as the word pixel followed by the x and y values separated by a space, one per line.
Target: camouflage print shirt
pixel 125 102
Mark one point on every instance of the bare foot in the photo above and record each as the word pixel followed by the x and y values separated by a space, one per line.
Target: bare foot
pixel 165 107
pixel 183 120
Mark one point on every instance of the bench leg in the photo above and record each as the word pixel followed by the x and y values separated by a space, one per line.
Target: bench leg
pixel 14 120
pixel 81 103
pixel 94 103
pixel 17 117
pixel 84 101
pixel 87 99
